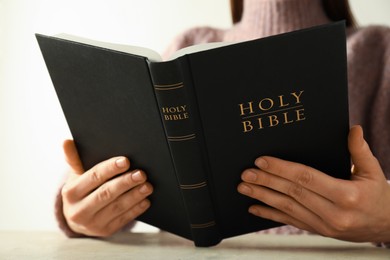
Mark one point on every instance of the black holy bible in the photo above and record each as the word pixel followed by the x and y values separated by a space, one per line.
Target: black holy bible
pixel 195 122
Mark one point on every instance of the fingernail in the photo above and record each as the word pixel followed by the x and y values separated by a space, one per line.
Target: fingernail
pixel 121 162
pixel 253 210
pixel 261 163
pixel 245 189
pixel 144 189
pixel 249 176
pixel 137 176
pixel 144 204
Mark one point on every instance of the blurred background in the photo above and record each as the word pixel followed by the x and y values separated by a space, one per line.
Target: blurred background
pixel 32 126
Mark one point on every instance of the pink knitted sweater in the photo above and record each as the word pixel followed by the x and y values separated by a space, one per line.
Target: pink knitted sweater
pixel 368 66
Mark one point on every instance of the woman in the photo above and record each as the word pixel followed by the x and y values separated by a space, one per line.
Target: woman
pixel 354 210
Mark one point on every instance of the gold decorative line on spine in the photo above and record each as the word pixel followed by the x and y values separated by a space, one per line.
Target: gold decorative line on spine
pixel 193 186
pixel 169 86
pixel 181 138
pixel 204 225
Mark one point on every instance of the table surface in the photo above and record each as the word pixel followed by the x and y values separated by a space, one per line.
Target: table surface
pixel 53 245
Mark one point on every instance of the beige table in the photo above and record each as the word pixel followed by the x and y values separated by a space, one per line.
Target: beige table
pixel 53 245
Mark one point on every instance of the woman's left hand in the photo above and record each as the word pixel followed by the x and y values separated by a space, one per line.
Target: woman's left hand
pixel 354 210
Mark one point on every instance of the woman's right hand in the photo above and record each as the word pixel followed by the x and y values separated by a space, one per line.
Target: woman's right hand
pixel 102 200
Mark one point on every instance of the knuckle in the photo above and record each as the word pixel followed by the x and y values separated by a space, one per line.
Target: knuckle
pixel 117 207
pixel 104 193
pixel 351 198
pixel 288 207
pixel 342 225
pixel 69 193
pixel 66 192
pixel 295 191
pixel 328 232
pixel 75 217
pixel 103 171
pixel 346 223
pixel 95 176
pixel 304 178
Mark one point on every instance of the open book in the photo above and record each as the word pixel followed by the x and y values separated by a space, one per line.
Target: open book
pixel 150 54
pixel 195 122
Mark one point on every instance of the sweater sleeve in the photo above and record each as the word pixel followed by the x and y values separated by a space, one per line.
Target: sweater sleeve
pixel 380 112
pixel 369 88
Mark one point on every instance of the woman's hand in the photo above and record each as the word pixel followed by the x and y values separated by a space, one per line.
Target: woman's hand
pixel 353 210
pixel 105 198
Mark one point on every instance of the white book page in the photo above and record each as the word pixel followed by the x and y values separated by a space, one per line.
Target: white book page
pixel 198 48
pixel 141 51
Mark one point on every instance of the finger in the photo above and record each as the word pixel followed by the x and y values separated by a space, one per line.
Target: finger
pixel 310 200
pixel 113 189
pixel 95 177
pixel 123 203
pixel 87 208
pixel 308 177
pixel 122 220
pixel 72 156
pixel 278 216
pixel 96 228
pixel 282 203
pixel 365 163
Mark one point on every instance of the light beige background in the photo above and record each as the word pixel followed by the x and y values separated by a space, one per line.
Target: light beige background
pixel 32 126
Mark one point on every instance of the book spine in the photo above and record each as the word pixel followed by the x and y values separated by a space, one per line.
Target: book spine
pixel 178 113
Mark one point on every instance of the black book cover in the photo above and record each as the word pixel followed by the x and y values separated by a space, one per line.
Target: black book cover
pixel 283 96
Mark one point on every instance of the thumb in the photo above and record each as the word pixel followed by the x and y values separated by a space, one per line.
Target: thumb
pixel 72 156
pixel 364 162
